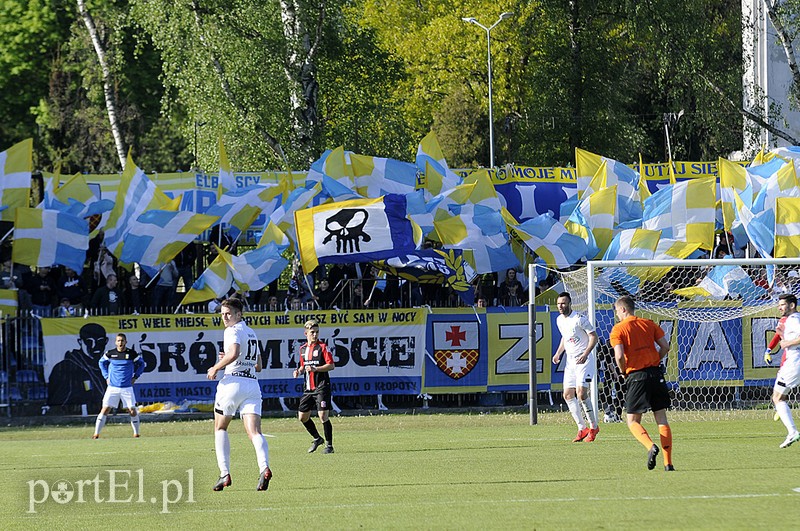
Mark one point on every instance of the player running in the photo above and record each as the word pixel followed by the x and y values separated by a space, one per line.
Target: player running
pixel 238 391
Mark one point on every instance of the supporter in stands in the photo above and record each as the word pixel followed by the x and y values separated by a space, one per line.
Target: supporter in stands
pixel 511 292
pixel 164 291
pixel 391 293
pixel 70 286
pixel 135 294
pixel 273 305
pixel 185 262
pixel 295 304
pixel 8 279
pixel 324 295
pixel 107 300
pixel 103 267
pixel 42 290
pixel 66 309
pixel 486 287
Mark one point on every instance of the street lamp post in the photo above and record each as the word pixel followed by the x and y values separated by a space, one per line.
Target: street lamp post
pixel 488 31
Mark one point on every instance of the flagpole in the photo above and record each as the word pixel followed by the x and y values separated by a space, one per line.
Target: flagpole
pixel 7 234
pixel 155 276
pixel 311 291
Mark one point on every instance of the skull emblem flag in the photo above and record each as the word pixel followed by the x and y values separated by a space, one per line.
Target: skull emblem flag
pixel 358 230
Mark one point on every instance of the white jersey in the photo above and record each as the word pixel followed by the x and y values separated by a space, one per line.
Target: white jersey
pixel 788 376
pixel 575 329
pixel 245 364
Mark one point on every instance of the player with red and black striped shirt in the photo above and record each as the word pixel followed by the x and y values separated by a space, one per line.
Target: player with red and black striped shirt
pixel 316 362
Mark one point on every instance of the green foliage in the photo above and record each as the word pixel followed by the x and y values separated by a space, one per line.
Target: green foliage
pixel 600 75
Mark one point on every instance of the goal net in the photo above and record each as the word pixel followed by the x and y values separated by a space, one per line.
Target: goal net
pixel 718 315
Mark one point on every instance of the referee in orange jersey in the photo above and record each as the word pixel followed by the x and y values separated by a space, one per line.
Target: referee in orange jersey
pixel 634 340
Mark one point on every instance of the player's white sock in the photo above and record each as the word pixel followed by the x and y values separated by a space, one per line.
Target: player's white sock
pixel 782 407
pixel 135 423
pixel 222 445
pixel 262 451
pixel 575 410
pixel 99 423
pixel 591 412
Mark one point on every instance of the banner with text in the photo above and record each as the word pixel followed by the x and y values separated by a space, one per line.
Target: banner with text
pixel 375 352
pixel 385 352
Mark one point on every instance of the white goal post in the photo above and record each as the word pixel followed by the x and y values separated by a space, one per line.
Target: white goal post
pixel 719 316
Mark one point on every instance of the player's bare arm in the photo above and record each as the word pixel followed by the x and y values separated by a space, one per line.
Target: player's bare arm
pixel 229 356
pixel 592 342
pixel 619 357
pixel 663 347
pixel 559 352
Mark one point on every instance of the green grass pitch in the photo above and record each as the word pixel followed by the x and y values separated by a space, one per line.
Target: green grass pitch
pixel 438 471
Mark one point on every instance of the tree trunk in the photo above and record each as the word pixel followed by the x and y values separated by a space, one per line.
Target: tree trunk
pixel 749 115
pixel 108 91
pixel 271 140
pixel 788 49
pixel 300 69
pixel 576 79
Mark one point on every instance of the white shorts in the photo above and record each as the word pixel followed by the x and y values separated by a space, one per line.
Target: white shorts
pixel 788 377
pixel 238 394
pixel 115 394
pixel 579 375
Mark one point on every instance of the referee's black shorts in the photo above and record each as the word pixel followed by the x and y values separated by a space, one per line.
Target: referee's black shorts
pixel 646 390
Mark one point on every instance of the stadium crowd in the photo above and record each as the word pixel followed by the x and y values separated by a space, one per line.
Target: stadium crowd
pixel 104 287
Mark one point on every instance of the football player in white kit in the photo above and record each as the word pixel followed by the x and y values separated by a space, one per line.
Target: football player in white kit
pixel 238 391
pixel 789 374
pixel 578 339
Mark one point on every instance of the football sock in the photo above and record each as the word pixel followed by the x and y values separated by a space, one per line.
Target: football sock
pixel 666 442
pixel 262 451
pixel 222 445
pixel 327 428
pixel 135 424
pixel 574 409
pixel 312 428
pixel 782 407
pixel 641 434
pixel 591 413
pixel 99 423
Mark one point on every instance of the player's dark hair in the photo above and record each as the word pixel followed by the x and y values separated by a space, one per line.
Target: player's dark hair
pixel 234 303
pixel 123 336
pixel 565 294
pixel 789 298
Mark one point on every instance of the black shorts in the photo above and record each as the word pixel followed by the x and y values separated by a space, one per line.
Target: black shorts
pixel 646 390
pixel 315 401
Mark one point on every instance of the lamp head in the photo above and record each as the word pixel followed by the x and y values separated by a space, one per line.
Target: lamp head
pixel 471 20
pixel 506 15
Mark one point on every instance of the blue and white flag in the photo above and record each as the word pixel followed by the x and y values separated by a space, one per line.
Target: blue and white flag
pixel 46 237
pixel 684 211
pixel 733 282
pixel 548 239
pixel 255 269
pixel 157 236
